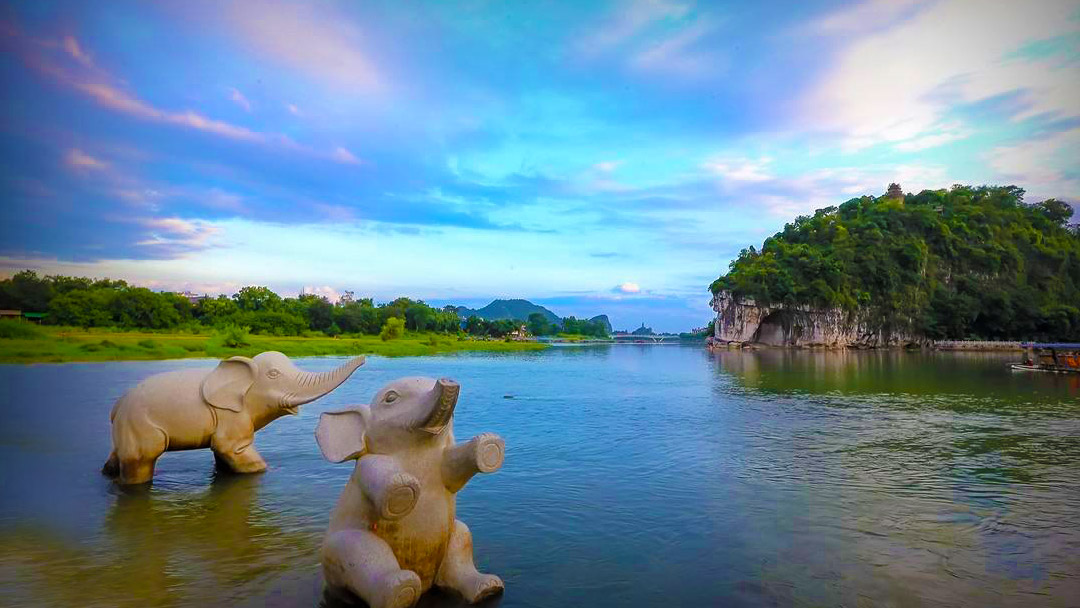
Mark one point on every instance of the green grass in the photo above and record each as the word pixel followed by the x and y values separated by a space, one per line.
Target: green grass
pixel 62 345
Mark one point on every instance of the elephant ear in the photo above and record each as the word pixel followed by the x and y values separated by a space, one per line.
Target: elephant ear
pixel 340 435
pixel 225 386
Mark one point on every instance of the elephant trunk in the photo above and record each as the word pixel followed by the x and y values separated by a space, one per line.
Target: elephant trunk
pixel 310 386
pixel 445 396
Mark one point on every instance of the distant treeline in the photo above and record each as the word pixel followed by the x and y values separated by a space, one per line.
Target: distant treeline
pixel 968 262
pixel 85 302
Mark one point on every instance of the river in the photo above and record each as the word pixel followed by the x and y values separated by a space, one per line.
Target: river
pixel 635 475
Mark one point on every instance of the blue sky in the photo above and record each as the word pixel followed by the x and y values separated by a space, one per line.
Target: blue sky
pixel 593 157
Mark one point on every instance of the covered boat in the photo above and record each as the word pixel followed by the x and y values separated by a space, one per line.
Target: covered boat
pixel 1058 357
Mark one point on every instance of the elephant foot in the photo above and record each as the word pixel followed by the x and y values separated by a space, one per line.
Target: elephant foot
pixel 401 589
pixel 133 472
pixel 482 587
pixel 459 573
pixel 364 564
pixel 247 461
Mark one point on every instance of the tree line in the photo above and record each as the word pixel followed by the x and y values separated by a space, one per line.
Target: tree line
pixel 86 302
pixel 963 263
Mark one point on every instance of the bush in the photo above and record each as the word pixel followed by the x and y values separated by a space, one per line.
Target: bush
pixel 90 347
pixel 234 336
pixel 19 329
pixel 393 329
pixel 148 343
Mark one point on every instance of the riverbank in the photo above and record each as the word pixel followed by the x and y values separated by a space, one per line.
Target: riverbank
pixel 64 345
pixel 953 345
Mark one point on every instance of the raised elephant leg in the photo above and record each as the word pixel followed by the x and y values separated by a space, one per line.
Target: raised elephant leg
pixel 243 460
pixel 364 564
pixel 458 572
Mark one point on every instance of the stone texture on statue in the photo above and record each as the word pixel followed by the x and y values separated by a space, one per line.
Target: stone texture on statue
pixel 393 533
pixel 218 408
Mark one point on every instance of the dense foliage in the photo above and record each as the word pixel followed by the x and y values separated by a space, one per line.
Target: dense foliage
pixel 968 262
pixel 83 302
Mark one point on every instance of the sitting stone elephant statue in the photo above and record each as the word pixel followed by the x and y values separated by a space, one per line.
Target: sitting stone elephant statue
pixel 393 533
pixel 218 409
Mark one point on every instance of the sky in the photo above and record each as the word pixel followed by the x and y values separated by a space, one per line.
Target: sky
pixel 607 157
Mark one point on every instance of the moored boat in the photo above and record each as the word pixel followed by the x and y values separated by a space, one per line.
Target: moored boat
pixel 1055 357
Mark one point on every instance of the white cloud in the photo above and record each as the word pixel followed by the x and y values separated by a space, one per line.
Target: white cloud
pixel 628 287
pixel 295 111
pixel 79 160
pixel 178 234
pixel 933 139
pixel 239 99
pixel 1045 168
pixel 308 40
pixel 71 46
pixel 896 85
pixel 740 169
pixel 342 155
pixel 332 295
pixel 628 21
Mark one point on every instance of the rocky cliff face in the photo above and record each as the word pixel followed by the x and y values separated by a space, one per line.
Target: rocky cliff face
pixel 743 321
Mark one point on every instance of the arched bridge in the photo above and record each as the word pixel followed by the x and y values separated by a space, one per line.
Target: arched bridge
pixel 632 338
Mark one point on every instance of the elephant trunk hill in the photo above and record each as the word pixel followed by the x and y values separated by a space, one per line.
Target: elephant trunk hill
pixel 963 263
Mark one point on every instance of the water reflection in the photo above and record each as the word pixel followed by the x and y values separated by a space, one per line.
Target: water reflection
pixel 636 475
pixel 205 546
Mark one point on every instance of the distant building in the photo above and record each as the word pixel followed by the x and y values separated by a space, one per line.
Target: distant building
pixel 10 314
pixel 194 298
pixel 895 192
pixel 519 334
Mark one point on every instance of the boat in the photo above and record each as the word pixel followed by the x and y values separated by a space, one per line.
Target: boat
pixel 1054 357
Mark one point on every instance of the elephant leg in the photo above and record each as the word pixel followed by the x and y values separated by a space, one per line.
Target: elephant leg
pixel 138 452
pixel 458 572
pixel 363 563
pixel 243 460
pixel 111 467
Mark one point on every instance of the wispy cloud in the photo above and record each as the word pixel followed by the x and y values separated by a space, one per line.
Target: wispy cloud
pixel 238 98
pixel 95 85
pixel 897 84
pixel 71 45
pixel 309 39
pixel 173 236
pixel 627 287
pixel 739 170
pixel 342 155
pixel 79 160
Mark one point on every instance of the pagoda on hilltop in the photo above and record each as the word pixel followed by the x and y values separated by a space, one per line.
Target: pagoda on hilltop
pixel 895 192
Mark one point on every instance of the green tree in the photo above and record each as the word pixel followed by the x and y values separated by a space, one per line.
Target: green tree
pixel 538 324
pixel 393 329
pixel 255 298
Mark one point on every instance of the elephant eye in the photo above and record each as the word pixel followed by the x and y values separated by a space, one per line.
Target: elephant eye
pixel 390 397
pixel 273 373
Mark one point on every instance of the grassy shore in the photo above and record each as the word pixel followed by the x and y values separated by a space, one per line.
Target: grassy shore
pixel 62 345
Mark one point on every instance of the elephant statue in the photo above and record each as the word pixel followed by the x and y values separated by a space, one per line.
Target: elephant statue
pixel 393 533
pixel 218 409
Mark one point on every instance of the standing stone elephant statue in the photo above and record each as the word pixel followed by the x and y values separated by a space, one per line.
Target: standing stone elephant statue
pixel 393 533
pixel 218 409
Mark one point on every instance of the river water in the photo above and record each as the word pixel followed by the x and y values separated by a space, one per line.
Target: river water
pixel 635 475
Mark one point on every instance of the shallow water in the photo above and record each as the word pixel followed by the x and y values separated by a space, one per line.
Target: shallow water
pixel 635 476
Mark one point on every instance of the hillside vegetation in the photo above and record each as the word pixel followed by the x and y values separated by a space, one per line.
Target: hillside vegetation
pixel 968 262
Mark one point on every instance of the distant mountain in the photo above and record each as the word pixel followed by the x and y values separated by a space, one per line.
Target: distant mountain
pixel 602 319
pixel 508 309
